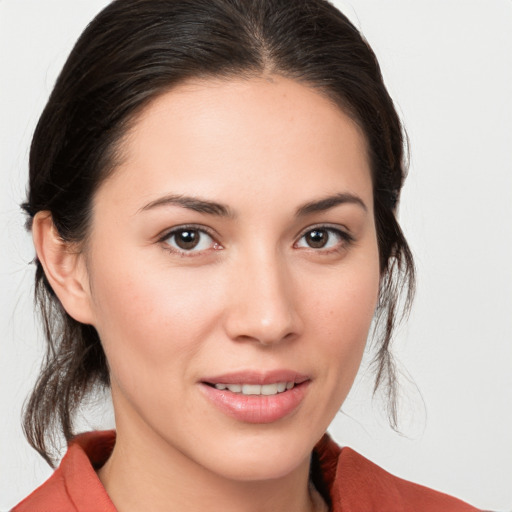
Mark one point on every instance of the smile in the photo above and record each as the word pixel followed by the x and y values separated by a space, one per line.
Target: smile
pixel 257 389
pixel 256 397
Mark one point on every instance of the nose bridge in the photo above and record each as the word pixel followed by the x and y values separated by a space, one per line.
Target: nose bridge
pixel 262 306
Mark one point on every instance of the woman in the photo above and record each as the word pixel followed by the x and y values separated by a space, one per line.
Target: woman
pixel 212 196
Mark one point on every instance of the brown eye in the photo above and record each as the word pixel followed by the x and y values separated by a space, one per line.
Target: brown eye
pixel 317 238
pixel 189 240
pixel 323 238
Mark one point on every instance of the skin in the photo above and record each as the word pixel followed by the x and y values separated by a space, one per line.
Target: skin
pixel 253 295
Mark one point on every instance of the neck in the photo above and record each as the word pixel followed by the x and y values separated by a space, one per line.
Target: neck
pixel 145 473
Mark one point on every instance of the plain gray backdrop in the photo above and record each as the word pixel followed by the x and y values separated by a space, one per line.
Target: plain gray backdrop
pixel 448 65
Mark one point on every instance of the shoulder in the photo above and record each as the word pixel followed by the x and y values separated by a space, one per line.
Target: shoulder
pixel 49 496
pixel 74 486
pixel 355 483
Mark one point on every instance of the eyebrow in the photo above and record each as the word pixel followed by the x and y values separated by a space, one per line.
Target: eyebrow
pixel 221 210
pixel 329 202
pixel 191 203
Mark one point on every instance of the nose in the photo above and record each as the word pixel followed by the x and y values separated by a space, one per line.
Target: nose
pixel 262 302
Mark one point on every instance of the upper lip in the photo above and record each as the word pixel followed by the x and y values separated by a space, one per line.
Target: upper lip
pixel 257 377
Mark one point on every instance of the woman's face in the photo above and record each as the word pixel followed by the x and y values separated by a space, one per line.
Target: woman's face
pixel 233 255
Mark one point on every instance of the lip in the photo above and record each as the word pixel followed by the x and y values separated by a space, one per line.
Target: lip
pixel 255 377
pixel 256 408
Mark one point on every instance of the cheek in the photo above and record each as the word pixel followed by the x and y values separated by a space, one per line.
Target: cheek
pixel 344 306
pixel 340 319
pixel 149 318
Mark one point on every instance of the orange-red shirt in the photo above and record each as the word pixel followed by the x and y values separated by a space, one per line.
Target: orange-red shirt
pixel 350 483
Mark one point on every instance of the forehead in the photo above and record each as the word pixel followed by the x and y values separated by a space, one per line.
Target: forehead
pixel 254 136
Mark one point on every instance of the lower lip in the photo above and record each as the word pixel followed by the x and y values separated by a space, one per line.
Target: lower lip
pixel 256 408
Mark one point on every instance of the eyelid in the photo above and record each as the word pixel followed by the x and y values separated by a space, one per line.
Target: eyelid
pixel 167 233
pixel 341 231
pixel 344 231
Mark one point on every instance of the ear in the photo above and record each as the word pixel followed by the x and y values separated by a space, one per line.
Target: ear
pixel 64 267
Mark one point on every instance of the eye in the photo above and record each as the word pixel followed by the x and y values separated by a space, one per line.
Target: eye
pixel 189 240
pixel 323 238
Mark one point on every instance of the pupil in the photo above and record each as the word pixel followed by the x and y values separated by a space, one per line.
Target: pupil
pixel 316 238
pixel 187 239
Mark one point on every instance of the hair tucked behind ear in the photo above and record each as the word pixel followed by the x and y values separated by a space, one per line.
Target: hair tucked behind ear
pixel 73 365
pixel 135 50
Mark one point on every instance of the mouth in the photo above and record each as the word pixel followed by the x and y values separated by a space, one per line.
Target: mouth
pixel 255 389
pixel 253 397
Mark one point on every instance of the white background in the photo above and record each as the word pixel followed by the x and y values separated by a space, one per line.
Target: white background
pixel 448 65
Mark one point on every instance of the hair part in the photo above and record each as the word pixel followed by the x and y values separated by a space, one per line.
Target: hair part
pixel 132 52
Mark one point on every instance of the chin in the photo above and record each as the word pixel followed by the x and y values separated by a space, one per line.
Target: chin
pixel 257 468
pixel 263 455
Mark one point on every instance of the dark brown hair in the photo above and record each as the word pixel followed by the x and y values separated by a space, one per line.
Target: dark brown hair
pixel 133 51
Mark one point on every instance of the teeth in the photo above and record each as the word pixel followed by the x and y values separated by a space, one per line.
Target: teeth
pixel 251 389
pixel 257 389
pixel 281 386
pixel 269 389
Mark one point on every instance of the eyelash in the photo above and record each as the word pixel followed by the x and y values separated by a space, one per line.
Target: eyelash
pixel 345 240
pixel 182 252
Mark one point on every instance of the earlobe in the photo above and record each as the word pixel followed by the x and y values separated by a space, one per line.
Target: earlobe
pixel 64 267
